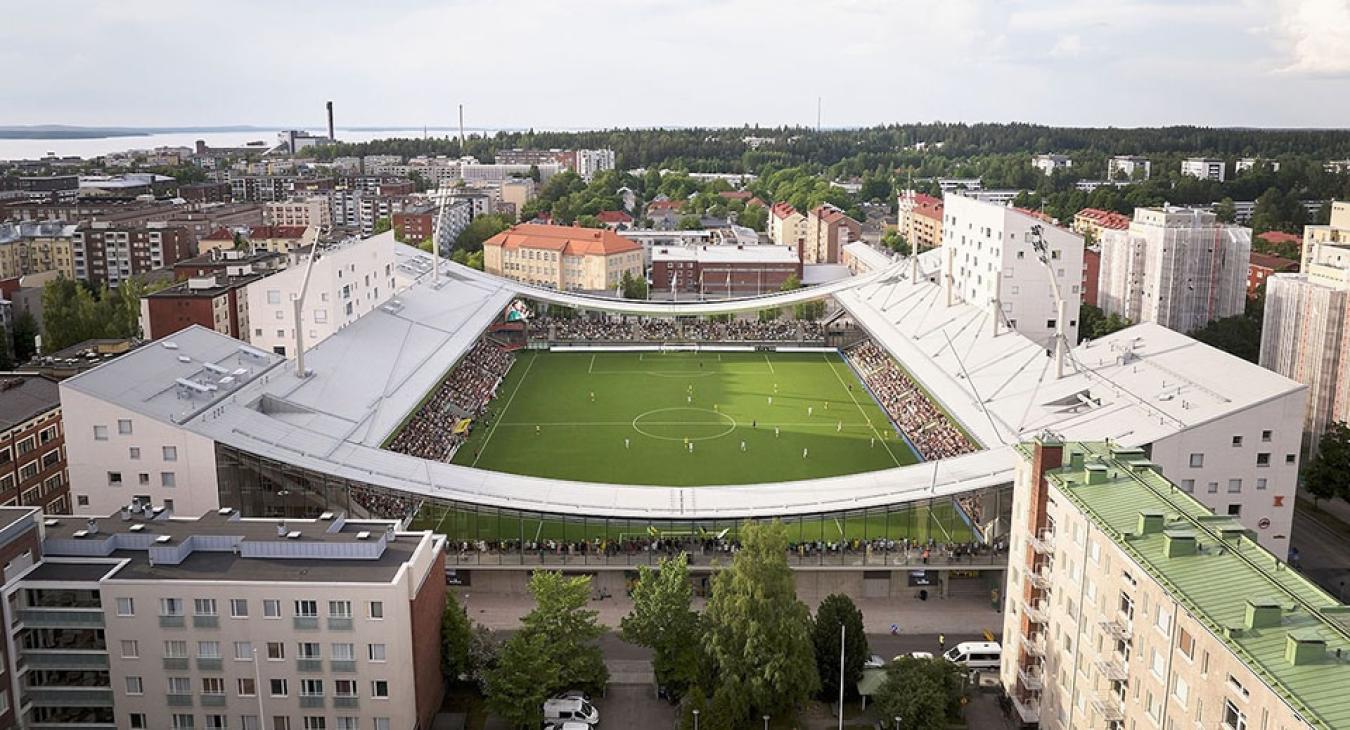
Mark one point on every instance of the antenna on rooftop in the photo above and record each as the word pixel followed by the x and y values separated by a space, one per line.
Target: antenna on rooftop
pixel 817 113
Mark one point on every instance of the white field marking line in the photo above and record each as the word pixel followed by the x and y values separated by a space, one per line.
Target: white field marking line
pixel 657 373
pixel 505 409
pixel 816 424
pixel 938 522
pixel 539 529
pixel 590 368
pixel 770 364
pixel 839 526
pixel 861 412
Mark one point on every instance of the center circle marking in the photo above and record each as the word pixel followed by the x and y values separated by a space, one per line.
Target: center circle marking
pixel 728 421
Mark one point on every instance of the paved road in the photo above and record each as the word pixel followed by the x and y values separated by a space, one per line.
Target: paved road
pixel 1323 543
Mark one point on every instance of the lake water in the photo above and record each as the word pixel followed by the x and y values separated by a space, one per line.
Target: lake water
pixel 32 149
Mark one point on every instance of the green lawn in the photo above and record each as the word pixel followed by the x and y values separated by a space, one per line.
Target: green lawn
pixel 545 422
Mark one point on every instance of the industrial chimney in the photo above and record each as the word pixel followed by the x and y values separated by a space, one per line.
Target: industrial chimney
pixel 330 122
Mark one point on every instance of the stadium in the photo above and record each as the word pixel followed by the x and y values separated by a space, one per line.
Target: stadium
pixel 534 426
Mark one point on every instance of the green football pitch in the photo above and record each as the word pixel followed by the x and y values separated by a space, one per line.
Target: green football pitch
pixel 683 419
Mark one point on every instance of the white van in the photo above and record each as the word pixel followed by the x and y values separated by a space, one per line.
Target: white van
pixel 574 709
pixel 975 654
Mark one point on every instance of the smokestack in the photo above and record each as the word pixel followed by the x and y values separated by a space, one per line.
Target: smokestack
pixel 330 121
pixel 461 130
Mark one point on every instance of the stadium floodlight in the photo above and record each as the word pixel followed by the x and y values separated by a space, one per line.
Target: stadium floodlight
pixel 1036 237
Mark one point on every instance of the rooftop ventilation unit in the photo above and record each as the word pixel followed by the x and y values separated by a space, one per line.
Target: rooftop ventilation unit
pixel 253 352
pixel 218 370
pixel 293 535
pixel 363 535
pixel 169 345
pixel 194 387
pixel 163 539
pixel 184 358
pixel 137 528
pixel 326 516
pixel 224 510
pixel 51 523
pixel 79 534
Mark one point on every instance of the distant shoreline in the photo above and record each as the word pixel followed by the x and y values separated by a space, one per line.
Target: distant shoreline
pixel 56 131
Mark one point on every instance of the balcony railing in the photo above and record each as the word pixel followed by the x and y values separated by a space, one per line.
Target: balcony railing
pixel 339 623
pixel 68 696
pixel 1117 629
pixel 172 622
pixel 1108 707
pixel 210 664
pixel 50 659
pixel 174 700
pixel 309 665
pixel 342 665
pixel 213 700
pixel 1043 542
pixel 1036 612
pixel 345 702
pixel 1034 644
pixel 205 622
pixel 1028 709
pixel 311 700
pixel 1030 677
pixel 1040 579
pixel 306 623
pixel 176 662
pixel 1112 670
pixel 35 618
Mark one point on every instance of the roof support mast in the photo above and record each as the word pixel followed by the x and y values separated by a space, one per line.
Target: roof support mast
pixel 1036 237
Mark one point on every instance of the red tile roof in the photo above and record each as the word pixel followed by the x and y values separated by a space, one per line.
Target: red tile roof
pixel 613 216
pixel 220 234
pixel 277 232
pixel 830 214
pixel 782 210
pixel 1279 237
pixel 736 194
pixel 1105 218
pixel 569 240
pixel 1272 262
pixel 755 201
pixel 665 205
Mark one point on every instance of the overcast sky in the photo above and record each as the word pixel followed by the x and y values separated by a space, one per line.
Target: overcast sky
pixel 586 63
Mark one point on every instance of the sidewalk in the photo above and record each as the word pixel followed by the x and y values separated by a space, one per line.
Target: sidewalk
pixel 499 611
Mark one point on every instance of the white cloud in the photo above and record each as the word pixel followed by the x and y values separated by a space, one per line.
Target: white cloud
pixel 1318 36
pixel 1067 46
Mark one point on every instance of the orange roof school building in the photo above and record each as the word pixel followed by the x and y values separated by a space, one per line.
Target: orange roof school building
pixel 567 258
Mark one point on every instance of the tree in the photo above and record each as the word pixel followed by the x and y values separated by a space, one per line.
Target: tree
pixel 525 674
pixel 1327 473
pixel 755 217
pixel 633 287
pixel 757 633
pixel 1225 210
pixel 663 621
pixel 481 229
pixel 1093 323
pixel 835 611
pixel 689 223
pixel 456 639
pixel 381 225
pixel 25 336
pixel 560 614
pixel 1239 335
pixel 895 241
pixel 924 693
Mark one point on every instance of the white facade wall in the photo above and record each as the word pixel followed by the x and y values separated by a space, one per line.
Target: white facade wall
pixel 1124 168
pixel 988 259
pixel 1204 168
pixel 589 162
pixel 108 465
pixel 346 282
pixel 1305 338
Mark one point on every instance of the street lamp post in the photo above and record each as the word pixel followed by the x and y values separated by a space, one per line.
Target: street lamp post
pixel 695 719
pixel 897 722
pixel 766 722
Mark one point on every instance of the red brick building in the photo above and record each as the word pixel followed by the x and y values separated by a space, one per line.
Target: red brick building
pixel 1262 265
pixel 20 547
pixel 228 262
pixel 723 271
pixel 1092 269
pixel 214 301
pixel 109 254
pixel 32 444
pixel 205 192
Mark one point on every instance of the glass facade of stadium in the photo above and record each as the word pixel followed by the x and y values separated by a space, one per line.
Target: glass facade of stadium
pixel 938 531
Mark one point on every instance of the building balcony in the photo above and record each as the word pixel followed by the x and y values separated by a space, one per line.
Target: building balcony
pixel 1108 707
pixel 342 665
pixel 1040 579
pixel 72 726
pixel 68 696
pixel 306 623
pixel 336 623
pixel 172 622
pixel 52 659
pixel 176 662
pixel 309 665
pixel 345 702
pixel 61 618
pixel 1034 645
pixel 1028 709
pixel 1043 543
pixel 213 700
pixel 1116 629
pixel 205 622
pixel 311 701
pixel 1030 677
pixel 175 700
pixel 1112 669
pixel 209 664
pixel 1036 612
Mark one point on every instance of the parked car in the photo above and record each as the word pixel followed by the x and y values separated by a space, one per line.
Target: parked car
pixel 572 709
pixel 874 662
pixel 571 694
pixel 975 654
pixel 567 725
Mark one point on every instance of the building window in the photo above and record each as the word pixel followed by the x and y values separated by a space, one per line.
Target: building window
pixel 1263 459
pixel 238 608
pixel 171 607
pixel 277 687
pixel 344 652
pixel 180 686
pixel 1197 461
pixel 1265 436
pixel 114 478
pixel 1212 487
pixel 377 609
pixel 313 722
pixel 131 649
pixel 175 649
pixel 340 609
pixel 1234 510
pixel 379 689
pixel 213 686
pixel 1188 486
pixel 1237 440
pixel 376 652
pixel 204 607
pixel 134 686
pixel 126 606
pixel 307 609
pixel 100 433
pixel 309 650
pixel 1260 483
pixel 124 426
pixel 276 651
pixel 138 721
pixel 170 453
pixel 181 722
pixel 1234 486
pixel 311 688
pixel 167 479
pixel 281 722
pixel 208 649
pixel 1290 458
pixel 243 650
pixel 1233 719
pixel 271 608
pixel 246 687
pixel 215 722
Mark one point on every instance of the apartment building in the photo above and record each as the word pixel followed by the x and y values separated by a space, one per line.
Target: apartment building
pixel 587 163
pixel 32 444
pixel 1131 605
pixel 1250 163
pixel 1306 332
pixel 1178 267
pixel 1092 222
pixel 32 248
pixel 359 210
pixel 1047 164
pixel 828 230
pixel 723 271
pixel 567 258
pixel 786 227
pixel 417 223
pixel 991 261
pixel 105 253
pixel 280 239
pixel 303 212
pixel 1204 168
pixel 229 262
pixel 214 301
pixel 207 192
pixel 1261 267
pixel 145 620
pixel 920 220
pixel 1128 167
pixel 346 281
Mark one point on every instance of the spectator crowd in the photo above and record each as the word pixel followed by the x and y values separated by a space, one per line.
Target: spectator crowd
pixel 465 393
pixel 929 429
pixel 634 329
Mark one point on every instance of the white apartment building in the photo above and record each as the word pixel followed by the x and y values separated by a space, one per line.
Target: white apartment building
pixel 786 226
pixel 1306 332
pixel 1247 163
pixel 1178 267
pixel 477 172
pixel 990 262
pixel 144 620
pixel 1131 605
pixel 348 280
pixel 1047 164
pixel 303 212
pixel 1204 168
pixel 360 210
pixel 589 162
pixel 1127 167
